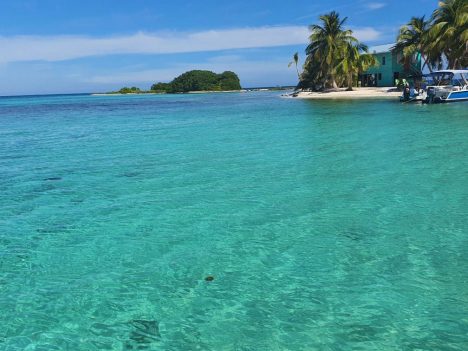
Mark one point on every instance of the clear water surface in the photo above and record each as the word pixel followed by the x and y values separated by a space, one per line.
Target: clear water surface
pixel 326 225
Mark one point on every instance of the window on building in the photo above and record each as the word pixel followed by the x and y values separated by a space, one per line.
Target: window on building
pixel 380 76
pixel 383 60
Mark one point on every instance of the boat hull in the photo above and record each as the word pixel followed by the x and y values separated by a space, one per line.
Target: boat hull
pixel 457 96
pixel 453 96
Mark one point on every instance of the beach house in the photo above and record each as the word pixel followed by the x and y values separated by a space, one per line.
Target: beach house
pixel 389 68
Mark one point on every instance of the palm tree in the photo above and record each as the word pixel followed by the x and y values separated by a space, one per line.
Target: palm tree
pixel 413 40
pixel 449 32
pixel 328 45
pixel 312 76
pixel 366 61
pixel 295 61
pixel 357 60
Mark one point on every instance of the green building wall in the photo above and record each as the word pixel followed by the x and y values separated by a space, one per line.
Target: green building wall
pixel 387 69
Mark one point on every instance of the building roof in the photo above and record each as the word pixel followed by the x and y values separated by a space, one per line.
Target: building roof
pixel 379 49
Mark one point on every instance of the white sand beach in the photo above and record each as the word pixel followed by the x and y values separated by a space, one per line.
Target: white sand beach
pixel 356 93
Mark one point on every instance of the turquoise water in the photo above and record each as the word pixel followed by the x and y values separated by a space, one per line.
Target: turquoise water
pixel 326 225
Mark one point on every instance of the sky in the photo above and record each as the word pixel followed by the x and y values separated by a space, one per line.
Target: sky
pixel 74 46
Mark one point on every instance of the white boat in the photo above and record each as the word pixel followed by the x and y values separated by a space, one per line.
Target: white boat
pixel 439 86
pixel 446 86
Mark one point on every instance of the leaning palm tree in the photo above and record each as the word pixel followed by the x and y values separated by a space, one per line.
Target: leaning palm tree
pixel 296 62
pixel 413 40
pixel 449 32
pixel 328 45
pixel 313 76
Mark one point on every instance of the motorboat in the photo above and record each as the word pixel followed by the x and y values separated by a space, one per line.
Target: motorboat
pixel 438 87
pixel 446 86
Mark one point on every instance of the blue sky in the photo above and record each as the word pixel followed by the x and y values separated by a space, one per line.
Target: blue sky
pixel 58 46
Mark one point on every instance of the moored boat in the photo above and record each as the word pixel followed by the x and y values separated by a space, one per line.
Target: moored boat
pixel 446 86
pixel 438 87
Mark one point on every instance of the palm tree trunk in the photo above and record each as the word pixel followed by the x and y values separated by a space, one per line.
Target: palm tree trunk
pixel 333 81
pixel 350 82
pixel 452 62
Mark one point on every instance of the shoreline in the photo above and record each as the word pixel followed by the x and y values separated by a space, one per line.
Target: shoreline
pixel 213 91
pixel 188 92
pixel 356 93
pixel 119 94
pixel 245 90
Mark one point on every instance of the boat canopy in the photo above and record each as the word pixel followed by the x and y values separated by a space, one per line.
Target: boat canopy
pixel 446 77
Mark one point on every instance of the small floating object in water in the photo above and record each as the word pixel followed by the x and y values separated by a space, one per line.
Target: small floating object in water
pixel 53 178
pixel 209 278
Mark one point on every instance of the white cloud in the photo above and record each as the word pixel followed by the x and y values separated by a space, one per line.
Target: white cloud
pixel 59 48
pixel 366 34
pixel 375 5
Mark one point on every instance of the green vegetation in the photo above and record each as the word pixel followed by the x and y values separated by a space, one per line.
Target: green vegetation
pixel 355 62
pixel 161 87
pixel 442 38
pixel 334 56
pixel 200 81
pixel 295 61
pixel 410 42
pixel 132 90
pixel 191 81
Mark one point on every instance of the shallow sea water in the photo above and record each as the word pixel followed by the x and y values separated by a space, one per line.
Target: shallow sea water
pixel 333 225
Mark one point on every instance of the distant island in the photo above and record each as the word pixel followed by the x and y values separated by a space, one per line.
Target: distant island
pixel 198 80
pixel 192 81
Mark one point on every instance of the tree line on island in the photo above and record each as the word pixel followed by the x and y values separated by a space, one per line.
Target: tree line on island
pixel 192 81
pixel 335 58
pixel 200 81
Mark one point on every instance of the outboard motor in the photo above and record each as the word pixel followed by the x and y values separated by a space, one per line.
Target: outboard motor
pixel 430 95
